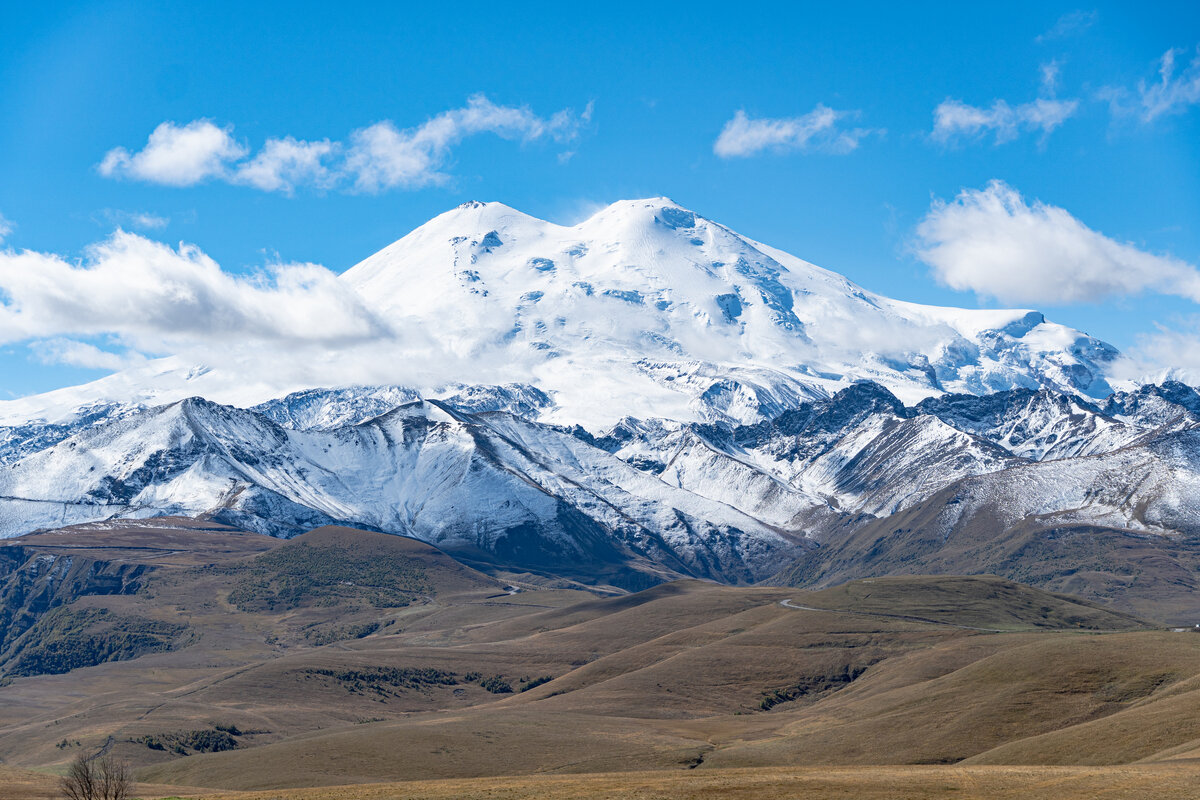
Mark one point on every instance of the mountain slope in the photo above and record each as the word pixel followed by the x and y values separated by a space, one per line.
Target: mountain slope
pixel 489 487
pixel 1121 527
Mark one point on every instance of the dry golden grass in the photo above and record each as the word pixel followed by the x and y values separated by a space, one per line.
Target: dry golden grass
pixel 665 687
pixel 20 784
pixel 1158 782
pixel 861 783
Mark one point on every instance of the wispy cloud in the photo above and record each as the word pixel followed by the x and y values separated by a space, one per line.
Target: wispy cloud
pixel 376 158
pixel 993 243
pixel 954 120
pixel 1070 24
pixel 1168 351
pixel 6 228
pixel 138 220
pixel 819 130
pixel 1173 92
pixel 383 157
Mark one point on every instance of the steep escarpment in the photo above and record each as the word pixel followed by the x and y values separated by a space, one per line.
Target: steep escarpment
pixel 34 584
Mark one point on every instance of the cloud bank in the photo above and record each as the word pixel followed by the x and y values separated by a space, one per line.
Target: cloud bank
pixel 287 326
pixel 993 243
pixel 373 159
pixel 156 299
pixel 818 130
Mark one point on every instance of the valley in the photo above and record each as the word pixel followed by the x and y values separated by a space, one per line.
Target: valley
pixel 292 674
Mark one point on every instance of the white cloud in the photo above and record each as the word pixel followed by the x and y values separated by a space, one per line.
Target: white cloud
pixel 993 243
pixel 382 156
pixel 1171 94
pixel 1071 24
pixel 155 298
pixel 819 129
pixel 378 157
pixel 6 228
pixel 954 120
pixel 1169 352
pixel 284 163
pixel 177 155
pixel 1050 72
pixel 287 327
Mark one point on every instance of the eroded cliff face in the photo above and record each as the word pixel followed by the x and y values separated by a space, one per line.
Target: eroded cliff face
pixel 34 582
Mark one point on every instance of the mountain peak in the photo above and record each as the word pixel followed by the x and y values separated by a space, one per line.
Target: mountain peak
pixel 663 210
pixel 475 214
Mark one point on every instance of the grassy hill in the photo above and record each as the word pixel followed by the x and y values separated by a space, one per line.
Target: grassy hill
pixel 347 657
pixel 1151 576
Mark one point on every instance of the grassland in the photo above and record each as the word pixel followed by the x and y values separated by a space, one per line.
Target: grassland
pixel 1161 782
pixel 890 687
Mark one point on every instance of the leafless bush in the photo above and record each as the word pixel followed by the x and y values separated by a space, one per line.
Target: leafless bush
pixel 96 779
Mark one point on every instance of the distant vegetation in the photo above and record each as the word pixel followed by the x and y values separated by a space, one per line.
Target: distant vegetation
pixel 66 639
pixel 96 779
pixel 216 739
pixel 305 575
pixel 338 633
pixel 496 685
pixel 387 681
pixel 392 681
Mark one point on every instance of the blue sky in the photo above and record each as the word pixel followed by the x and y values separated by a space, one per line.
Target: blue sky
pixel 1064 104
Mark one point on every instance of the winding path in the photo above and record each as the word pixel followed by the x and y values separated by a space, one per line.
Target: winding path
pixel 905 617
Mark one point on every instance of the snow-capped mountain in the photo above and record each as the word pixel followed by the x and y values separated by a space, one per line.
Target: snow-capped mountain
pixel 645 309
pixel 666 311
pixel 641 396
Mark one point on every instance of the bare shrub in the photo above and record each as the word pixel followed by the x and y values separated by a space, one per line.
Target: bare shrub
pixel 96 779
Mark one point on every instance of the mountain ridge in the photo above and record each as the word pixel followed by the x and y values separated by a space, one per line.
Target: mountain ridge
pixel 648 500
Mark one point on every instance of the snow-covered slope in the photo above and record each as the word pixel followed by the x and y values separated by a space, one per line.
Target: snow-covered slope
pixel 645 309
pixel 1041 425
pixel 677 316
pixel 326 409
pixel 492 487
pixel 649 498
pixel 861 452
pixel 1122 528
